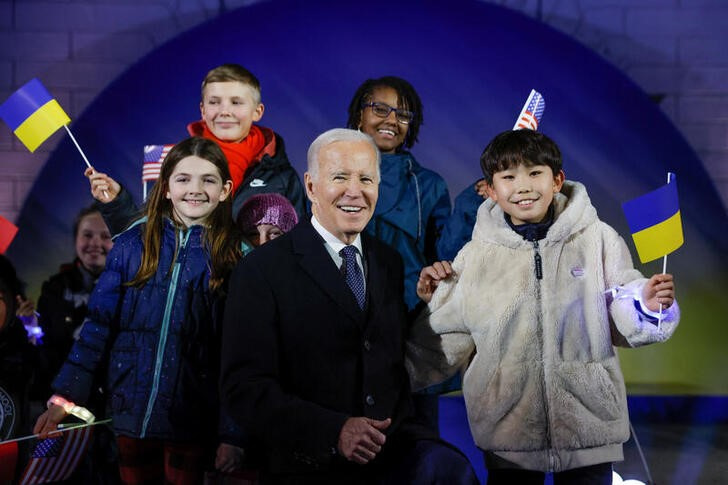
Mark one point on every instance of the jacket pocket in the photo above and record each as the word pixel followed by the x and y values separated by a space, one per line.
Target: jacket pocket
pixel 591 394
pixel 508 413
pixel 591 389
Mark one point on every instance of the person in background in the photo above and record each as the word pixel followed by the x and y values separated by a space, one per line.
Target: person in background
pixel 62 310
pixel 229 107
pixel 264 217
pixel 18 359
pixel 63 302
pixel 414 202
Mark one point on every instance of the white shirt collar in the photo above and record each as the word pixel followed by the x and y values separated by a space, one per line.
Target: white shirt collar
pixel 334 242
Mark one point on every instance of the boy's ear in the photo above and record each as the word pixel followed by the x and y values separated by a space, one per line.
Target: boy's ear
pixel 490 191
pixel 227 188
pixel 258 113
pixel 559 181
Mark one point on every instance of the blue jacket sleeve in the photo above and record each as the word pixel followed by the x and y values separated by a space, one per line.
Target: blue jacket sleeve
pixel 459 228
pixel 119 213
pixel 75 379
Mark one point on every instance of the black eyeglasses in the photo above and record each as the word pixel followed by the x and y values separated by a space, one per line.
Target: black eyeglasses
pixel 382 110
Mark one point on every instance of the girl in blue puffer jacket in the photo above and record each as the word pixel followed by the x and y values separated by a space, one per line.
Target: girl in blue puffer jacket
pixel 153 322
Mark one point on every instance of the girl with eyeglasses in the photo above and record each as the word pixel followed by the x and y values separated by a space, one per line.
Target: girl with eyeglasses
pixel 413 201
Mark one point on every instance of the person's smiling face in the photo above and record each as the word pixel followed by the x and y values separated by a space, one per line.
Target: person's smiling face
pixel 229 109
pixel 345 188
pixel 93 242
pixel 525 192
pixel 195 189
pixel 388 133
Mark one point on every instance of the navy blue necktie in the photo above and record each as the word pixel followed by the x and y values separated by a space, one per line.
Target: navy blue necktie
pixel 352 273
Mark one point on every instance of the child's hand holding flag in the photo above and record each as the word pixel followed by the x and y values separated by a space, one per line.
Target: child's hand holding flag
pixel 654 220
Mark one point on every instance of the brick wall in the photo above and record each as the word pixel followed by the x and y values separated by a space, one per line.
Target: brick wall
pixel 675 49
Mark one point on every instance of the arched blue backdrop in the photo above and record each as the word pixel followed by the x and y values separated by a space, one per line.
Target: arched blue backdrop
pixel 473 65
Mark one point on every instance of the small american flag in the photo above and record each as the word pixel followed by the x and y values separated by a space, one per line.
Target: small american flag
pixel 531 113
pixel 153 158
pixel 56 458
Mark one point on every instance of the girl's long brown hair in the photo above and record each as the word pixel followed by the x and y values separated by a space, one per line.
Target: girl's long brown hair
pixel 221 239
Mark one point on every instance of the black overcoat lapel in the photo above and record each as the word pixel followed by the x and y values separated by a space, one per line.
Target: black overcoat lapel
pixel 317 263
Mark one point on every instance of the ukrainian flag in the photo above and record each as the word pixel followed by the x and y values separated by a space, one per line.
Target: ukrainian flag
pixel 654 221
pixel 33 114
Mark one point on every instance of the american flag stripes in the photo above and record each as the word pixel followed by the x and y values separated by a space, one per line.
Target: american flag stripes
pixel 153 158
pixel 56 458
pixel 531 113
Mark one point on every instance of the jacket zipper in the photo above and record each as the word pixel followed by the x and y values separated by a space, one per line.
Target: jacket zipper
pixel 538 270
pixel 411 172
pixel 183 237
pixel 537 261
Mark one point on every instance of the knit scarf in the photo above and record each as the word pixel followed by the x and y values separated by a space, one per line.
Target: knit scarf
pixel 240 155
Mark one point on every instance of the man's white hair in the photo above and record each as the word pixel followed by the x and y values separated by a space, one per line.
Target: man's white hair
pixel 332 136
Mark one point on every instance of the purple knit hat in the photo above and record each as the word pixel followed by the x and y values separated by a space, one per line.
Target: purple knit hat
pixel 272 209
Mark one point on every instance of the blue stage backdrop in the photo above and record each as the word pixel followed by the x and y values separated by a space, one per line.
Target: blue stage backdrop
pixel 473 65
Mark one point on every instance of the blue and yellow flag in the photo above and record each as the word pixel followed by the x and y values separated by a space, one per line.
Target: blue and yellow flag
pixel 33 114
pixel 654 221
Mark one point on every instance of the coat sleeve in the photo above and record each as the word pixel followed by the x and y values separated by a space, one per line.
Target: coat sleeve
pixel 440 343
pixel 119 213
pixel 250 375
pixel 629 326
pixel 75 379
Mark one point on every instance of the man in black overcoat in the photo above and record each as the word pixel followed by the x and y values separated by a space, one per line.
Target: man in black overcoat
pixel 313 341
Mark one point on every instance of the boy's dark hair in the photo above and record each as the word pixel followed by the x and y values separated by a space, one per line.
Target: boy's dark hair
pixel 515 147
pixel 232 73
pixel 407 98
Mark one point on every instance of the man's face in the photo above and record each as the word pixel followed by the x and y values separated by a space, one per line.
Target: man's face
pixel 345 191
pixel 229 109
pixel 525 193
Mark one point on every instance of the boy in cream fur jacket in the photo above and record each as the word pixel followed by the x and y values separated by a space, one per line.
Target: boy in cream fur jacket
pixel 532 307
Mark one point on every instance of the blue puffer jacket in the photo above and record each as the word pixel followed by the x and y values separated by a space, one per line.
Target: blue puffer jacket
pixel 163 340
pixel 413 206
